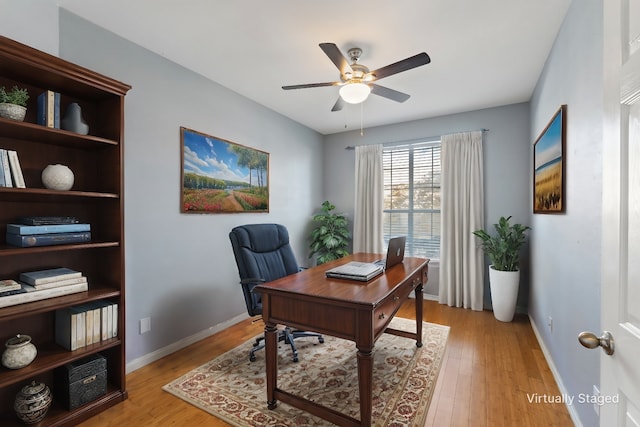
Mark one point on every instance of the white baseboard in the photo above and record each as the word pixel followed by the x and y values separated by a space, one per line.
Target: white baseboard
pixel 179 345
pixel 429 297
pixel 572 412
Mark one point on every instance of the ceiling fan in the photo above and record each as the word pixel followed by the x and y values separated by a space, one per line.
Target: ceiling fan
pixel 357 81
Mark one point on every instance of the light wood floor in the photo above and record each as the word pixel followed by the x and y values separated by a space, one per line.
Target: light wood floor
pixel 489 370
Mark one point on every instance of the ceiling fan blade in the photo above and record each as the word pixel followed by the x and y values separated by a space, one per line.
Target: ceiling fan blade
pixel 404 65
pixel 338 105
pixel 334 54
pixel 308 85
pixel 391 94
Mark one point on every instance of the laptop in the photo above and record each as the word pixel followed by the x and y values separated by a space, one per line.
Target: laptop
pixel 395 252
pixel 354 270
pixel 365 271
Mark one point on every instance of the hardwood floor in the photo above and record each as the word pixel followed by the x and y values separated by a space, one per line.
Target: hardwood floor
pixel 489 373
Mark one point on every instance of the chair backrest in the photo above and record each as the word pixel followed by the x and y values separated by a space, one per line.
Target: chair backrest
pixel 263 254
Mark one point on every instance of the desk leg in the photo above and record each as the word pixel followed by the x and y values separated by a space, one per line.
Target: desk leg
pixel 271 356
pixel 365 380
pixel 419 299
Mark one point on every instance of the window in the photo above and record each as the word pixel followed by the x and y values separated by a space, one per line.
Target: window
pixel 412 196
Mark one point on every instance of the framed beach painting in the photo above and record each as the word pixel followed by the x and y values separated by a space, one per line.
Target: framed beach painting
pixel 220 176
pixel 549 166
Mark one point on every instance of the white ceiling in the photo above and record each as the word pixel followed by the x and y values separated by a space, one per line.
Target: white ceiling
pixel 483 53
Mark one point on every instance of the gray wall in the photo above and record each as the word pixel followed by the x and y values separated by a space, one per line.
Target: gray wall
pixel 506 149
pixel 180 269
pixel 566 249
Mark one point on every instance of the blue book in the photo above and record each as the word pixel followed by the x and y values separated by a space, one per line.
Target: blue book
pixel 48 239
pixel 24 230
pixel 48 113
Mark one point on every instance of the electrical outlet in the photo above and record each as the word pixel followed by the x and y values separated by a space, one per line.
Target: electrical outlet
pixel 550 323
pixel 145 325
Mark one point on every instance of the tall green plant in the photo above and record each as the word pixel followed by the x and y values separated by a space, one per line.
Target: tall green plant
pixel 330 236
pixel 503 249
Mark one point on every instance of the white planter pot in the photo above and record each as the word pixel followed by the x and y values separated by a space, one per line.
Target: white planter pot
pixel 12 111
pixel 504 293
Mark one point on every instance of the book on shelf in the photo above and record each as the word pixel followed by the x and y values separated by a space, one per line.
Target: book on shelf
pixel 70 328
pixel 9 285
pixel 86 324
pixel 63 282
pixel 5 168
pixel 21 290
pixel 47 220
pixel 48 109
pixel 32 294
pixel 24 230
pixel 50 239
pixel 2 181
pixel 40 277
pixel 16 169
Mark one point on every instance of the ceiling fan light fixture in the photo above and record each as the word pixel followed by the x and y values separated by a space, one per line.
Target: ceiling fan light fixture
pixel 355 93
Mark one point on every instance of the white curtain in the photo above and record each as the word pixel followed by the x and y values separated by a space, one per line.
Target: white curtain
pixel 462 212
pixel 367 221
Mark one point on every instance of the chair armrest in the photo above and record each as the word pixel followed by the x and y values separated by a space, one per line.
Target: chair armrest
pixel 252 280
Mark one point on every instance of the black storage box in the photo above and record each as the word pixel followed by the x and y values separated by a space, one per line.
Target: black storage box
pixel 82 381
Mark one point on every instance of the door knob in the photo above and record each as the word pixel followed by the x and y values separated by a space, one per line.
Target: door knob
pixel 590 340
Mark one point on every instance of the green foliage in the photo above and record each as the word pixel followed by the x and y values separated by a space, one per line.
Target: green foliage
pixel 14 96
pixel 503 249
pixel 330 237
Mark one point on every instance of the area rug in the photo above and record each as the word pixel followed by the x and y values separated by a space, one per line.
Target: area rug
pixel 404 376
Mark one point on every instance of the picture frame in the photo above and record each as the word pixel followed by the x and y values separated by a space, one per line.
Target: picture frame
pixel 549 158
pixel 221 176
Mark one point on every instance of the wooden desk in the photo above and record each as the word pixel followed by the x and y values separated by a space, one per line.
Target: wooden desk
pixel 356 311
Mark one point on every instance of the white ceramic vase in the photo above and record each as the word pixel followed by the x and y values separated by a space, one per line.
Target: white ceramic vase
pixel 504 293
pixel 19 352
pixel 57 177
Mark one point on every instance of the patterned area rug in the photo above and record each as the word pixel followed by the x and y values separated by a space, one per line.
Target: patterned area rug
pixel 234 389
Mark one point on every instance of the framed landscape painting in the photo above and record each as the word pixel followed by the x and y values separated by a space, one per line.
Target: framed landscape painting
pixel 219 176
pixel 548 166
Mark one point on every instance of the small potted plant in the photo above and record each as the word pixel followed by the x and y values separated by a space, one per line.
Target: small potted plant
pixel 330 237
pixel 503 251
pixel 13 104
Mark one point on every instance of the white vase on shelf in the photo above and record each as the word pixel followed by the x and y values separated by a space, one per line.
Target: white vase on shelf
pixel 57 177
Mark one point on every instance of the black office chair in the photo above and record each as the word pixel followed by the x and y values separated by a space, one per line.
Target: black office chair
pixel 263 254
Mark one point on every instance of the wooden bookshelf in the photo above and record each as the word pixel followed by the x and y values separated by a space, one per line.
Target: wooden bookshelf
pixel 96 160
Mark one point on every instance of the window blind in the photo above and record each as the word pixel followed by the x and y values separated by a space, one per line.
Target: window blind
pixel 412 196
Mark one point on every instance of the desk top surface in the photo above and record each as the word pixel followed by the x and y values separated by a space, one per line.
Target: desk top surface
pixel 313 282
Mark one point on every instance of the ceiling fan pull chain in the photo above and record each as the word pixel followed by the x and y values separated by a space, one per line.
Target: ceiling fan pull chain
pixel 361 115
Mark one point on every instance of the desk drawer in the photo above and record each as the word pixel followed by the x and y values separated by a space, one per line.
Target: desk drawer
pixel 383 314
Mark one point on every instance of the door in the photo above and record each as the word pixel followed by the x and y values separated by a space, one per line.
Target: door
pixel 620 288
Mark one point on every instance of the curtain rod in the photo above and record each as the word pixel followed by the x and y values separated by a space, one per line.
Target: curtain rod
pixel 411 141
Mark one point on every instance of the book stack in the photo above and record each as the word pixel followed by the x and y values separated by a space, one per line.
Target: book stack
pixel 10 170
pixel 42 284
pixel 82 325
pixel 49 109
pixel 47 231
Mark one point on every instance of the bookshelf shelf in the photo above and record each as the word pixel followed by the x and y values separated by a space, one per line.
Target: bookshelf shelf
pixel 45 135
pixel 96 198
pixel 8 194
pixel 16 312
pixel 6 250
pixel 51 356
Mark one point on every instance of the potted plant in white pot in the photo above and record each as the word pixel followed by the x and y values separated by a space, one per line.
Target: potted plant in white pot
pixel 13 104
pixel 503 250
